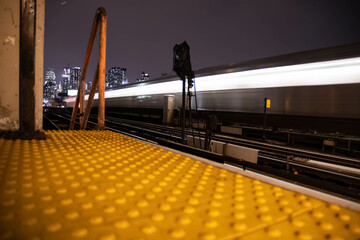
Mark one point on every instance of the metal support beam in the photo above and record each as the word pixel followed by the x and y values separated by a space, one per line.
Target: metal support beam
pixel 81 92
pixel 100 18
pixel 90 99
pixel 102 62
pixel 27 66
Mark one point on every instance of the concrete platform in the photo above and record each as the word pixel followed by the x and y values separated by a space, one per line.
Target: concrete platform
pixel 104 185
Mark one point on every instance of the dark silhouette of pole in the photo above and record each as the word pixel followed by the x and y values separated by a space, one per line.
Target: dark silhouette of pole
pixel 182 67
pixel 265 101
pixel 183 113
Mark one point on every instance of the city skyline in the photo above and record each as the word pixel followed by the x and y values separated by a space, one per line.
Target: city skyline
pixel 218 32
pixel 72 69
pixel 67 84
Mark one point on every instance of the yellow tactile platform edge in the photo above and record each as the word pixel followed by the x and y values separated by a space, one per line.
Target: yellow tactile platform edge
pixel 104 185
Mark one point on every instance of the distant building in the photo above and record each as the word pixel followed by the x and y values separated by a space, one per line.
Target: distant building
pixel 75 75
pixel 106 81
pixel 50 75
pixel 144 77
pixel 50 90
pixel 113 77
pixel 124 79
pixel 50 86
pixel 116 76
pixel 65 80
pixel 88 86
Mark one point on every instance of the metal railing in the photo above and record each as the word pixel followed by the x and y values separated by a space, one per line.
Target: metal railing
pixel 99 77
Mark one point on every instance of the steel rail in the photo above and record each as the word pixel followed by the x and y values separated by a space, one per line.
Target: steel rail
pixel 51 122
pixel 265 148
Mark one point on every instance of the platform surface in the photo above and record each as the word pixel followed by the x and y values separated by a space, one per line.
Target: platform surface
pixel 104 185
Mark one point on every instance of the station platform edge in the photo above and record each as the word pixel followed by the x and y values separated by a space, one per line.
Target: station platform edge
pixel 105 185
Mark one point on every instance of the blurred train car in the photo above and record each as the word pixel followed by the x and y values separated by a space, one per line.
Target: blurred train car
pixel 314 89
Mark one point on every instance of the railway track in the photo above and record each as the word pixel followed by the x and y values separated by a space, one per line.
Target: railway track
pixel 271 158
pixel 265 148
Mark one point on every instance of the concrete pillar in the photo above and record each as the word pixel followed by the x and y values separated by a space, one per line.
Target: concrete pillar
pixel 39 63
pixel 21 67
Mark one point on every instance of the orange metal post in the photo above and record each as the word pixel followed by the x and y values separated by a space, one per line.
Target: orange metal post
pixel 74 113
pixel 102 62
pixel 81 92
pixel 80 98
pixel 90 99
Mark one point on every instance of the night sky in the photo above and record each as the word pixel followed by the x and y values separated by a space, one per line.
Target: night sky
pixel 141 34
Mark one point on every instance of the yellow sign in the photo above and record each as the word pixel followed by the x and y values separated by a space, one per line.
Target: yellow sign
pixel 268 102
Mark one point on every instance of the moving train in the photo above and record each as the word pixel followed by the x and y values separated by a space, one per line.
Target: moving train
pixel 314 86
